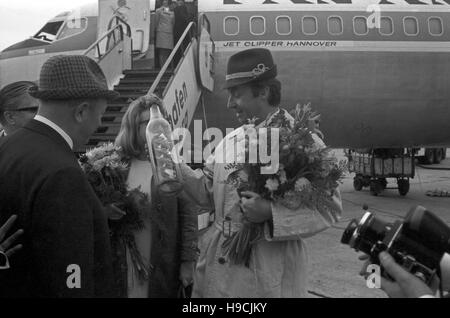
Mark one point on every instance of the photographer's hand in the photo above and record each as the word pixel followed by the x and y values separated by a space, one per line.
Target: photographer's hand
pixel 6 244
pixel 405 285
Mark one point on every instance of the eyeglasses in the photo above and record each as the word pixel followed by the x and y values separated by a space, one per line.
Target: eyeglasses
pixel 33 109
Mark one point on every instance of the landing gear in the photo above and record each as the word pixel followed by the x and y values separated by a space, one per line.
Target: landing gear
pixel 403 186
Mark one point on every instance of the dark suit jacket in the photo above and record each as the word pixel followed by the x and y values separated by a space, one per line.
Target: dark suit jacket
pixel 181 22
pixel 64 222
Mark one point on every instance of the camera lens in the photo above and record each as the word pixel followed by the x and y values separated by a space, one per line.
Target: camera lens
pixel 372 231
pixel 365 235
pixel 349 231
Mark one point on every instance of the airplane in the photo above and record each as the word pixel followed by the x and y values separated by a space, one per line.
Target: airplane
pixel 375 87
pixel 70 32
pixel 376 70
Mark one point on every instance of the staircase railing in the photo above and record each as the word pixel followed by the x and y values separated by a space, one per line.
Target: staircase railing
pixel 189 32
pixel 113 51
pixel 116 34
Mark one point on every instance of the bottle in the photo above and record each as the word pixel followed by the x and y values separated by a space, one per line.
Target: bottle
pixel 161 152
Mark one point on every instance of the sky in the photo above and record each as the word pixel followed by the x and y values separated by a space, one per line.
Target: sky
pixel 20 19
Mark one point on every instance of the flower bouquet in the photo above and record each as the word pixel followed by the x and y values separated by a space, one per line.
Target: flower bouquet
pixel 107 172
pixel 307 177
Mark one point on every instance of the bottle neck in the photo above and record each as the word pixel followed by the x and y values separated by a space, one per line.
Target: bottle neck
pixel 155 112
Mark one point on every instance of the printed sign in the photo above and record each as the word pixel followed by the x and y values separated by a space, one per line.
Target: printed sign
pixel 184 92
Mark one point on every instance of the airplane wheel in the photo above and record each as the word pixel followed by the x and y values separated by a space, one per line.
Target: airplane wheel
pixel 358 183
pixel 428 159
pixel 403 186
pixel 376 187
pixel 438 155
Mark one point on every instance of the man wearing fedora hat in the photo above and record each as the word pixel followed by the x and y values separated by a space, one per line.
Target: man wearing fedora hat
pixel 66 250
pixel 277 265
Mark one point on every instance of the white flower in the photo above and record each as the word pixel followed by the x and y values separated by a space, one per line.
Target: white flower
pixel 272 184
pixel 282 175
pixel 302 184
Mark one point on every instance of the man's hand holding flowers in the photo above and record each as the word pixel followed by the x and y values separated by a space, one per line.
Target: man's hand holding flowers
pixel 255 208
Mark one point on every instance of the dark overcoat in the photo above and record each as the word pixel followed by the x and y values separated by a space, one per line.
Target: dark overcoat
pixel 66 248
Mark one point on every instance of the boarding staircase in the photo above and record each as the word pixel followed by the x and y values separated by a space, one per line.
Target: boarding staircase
pixel 113 52
pixel 135 84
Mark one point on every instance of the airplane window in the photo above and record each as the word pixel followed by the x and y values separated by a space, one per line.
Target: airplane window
pixel 411 26
pixel 335 25
pixel 360 25
pixel 309 25
pixel 435 26
pixel 284 26
pixel 231 25
pixel 73 27
pixel 257 25
pixel 49 31
pixel 386 26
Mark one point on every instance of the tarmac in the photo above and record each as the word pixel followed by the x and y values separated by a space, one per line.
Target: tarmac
pixel 334 267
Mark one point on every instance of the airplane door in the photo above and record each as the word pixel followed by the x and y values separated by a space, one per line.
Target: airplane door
pixel 206 49
pixel 135 12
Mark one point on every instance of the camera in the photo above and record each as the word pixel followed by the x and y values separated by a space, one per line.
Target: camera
pixel 420 243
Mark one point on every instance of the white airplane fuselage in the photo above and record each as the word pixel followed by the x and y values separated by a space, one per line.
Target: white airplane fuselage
pixel 372 89
pixel 378 84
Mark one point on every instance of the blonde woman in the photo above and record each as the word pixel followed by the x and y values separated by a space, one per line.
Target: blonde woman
pixel 169 240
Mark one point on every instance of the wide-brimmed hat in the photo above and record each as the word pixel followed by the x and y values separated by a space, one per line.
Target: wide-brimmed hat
pixel 71 77
pixel 250 66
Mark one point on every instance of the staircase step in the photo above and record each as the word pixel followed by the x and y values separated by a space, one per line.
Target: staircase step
pixel 109 130
pixel 135 84
pixel 129 95
pixel 142 81
pixel 121 88
pixel 133 95
pixel 145 72
pixel 113 114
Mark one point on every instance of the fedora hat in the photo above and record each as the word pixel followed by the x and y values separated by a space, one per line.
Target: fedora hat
pixel 72 76
pixel 250 66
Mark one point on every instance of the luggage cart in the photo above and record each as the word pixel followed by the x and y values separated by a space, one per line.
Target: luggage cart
pixel 373 169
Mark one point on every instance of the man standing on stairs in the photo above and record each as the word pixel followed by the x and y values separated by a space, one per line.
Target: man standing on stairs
pixel 181 23
pixel 165 22
pixel 66 248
